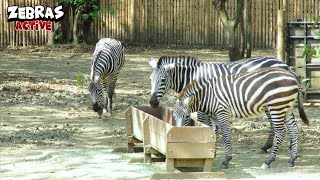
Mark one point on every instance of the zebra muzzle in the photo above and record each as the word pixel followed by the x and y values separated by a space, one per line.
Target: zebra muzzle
pixel 153 100
pixel 96 107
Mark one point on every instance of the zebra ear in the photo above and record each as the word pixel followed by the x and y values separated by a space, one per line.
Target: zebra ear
pixel 153 63
pixel 188 101
pixel 168 67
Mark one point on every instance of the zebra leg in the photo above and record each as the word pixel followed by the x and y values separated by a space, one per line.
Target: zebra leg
pixel 226 137
pixel 214 128
pixel 293 131
pixel 110 92
pixel 270 139
pixel 279 135
pixel 203 118
pixel 292 118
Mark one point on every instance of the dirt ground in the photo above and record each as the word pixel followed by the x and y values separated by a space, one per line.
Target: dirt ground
pixel 48 130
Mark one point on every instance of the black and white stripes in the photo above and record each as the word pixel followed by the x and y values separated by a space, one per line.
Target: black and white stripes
pixel 246 95
pixel 189 69
pixel 108 59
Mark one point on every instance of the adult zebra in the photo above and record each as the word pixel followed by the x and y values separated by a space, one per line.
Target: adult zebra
pixel 246 95
pixel 108 59
pixel 161 81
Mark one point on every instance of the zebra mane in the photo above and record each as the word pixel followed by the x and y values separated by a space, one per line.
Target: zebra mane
pixel 94 62
pixel 191 88
pixel 183 60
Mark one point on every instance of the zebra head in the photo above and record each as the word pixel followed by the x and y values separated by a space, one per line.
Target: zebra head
pixel 181 112
pixel 96 94
pixel 159 82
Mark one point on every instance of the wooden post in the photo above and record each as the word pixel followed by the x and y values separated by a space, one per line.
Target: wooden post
pixel 281 36
pixel 129 129
pixel 170 164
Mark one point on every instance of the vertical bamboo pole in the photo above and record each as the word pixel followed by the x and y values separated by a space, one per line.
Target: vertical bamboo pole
pixel 206 22
pixel 184 22
pixel 174 22
pixel 280 37
pixel 170 27
pixel 4 23
pixel 281 24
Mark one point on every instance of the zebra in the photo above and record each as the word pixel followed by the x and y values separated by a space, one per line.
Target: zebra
pixel 108 59
pixel 246 95
pixel 161 81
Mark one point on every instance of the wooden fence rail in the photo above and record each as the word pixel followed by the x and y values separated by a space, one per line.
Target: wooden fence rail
pixel 168 22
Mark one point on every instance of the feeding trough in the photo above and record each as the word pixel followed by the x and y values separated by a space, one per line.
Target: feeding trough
pixel 135 115
pixel 191 146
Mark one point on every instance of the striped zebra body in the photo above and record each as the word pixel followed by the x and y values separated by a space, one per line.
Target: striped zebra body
pixel 246 95
pixel 189 69
pixel 108 60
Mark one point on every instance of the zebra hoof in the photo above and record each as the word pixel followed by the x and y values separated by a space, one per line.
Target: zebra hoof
pixel 263 151
pixel 100 113
pixel 290 164
pixel 224 166
pixel 265 166
pixel 108 114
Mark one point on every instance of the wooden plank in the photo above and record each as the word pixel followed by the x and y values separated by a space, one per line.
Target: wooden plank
pixel 132 139
pixel 190 150
pixel 189 163
pixel 129 123
pixel 137 120
pixel 190 175
pixel 170 164
pixel 158 130
pixel 208 165
pixel 191 135
pixel 147 154
pixel 146 131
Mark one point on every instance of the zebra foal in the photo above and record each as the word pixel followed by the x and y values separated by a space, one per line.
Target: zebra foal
pixel 108 59
pixel 246 95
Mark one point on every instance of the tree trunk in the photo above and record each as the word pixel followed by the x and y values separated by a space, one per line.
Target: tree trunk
pixel 75 27
pixel 86 30
pixel 230 26
pixel 249 29
pixel 243 37
pixel 51 36
pixel 233 48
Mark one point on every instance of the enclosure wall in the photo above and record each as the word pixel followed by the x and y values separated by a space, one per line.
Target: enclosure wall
pixel 167 22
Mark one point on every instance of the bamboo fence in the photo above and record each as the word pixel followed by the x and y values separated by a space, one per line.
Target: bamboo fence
pixel 167 22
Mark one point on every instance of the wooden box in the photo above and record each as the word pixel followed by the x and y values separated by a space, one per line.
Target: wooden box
pixel 135 115
pixel 191 146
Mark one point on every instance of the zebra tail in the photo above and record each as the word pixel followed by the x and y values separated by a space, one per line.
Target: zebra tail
pixel 303 115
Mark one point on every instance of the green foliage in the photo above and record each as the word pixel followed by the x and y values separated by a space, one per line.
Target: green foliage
pixel 80 79
pixel 88 8
pixel 57 36
pixel 308 51
pixel 306 84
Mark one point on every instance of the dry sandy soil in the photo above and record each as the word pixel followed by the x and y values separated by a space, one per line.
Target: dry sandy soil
pixel 48 130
